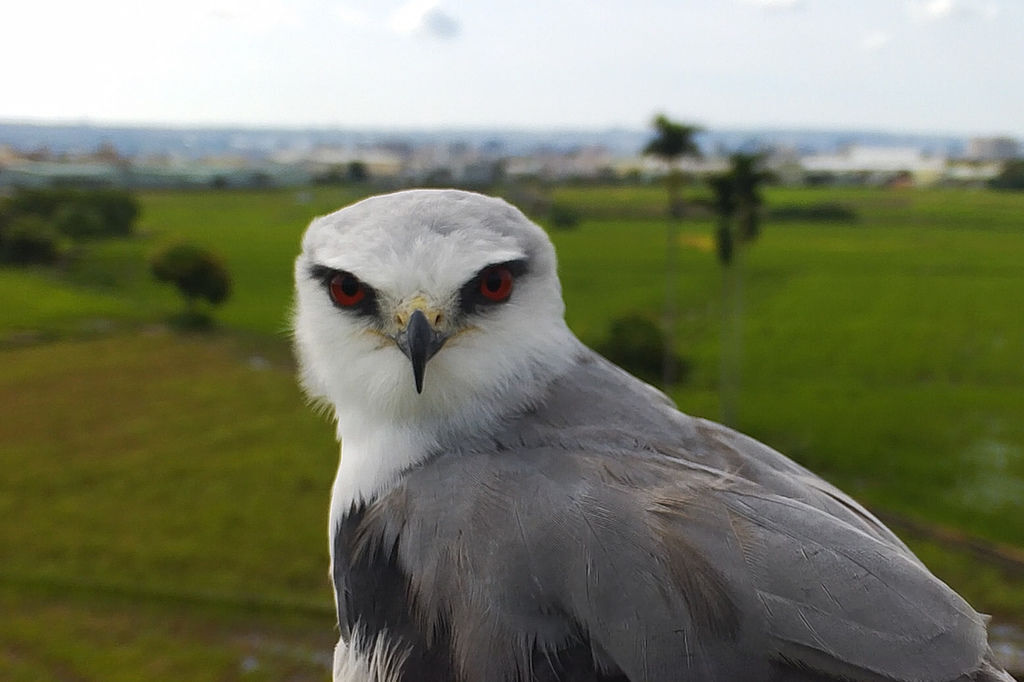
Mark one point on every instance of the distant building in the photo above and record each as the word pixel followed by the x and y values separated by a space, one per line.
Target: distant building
pixel 44 174
pixel 40 174
pixel 877 165
pixel 971 172
pixel 378 161
pixel 555 164
pixel 992 148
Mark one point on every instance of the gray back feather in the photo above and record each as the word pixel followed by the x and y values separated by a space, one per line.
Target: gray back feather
pixel 677 548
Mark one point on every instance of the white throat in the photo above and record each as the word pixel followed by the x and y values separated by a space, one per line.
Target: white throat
pixel 378 447
pixel 372 460
pixel 375 453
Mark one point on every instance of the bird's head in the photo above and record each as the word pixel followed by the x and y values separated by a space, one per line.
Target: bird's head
pixel 427 304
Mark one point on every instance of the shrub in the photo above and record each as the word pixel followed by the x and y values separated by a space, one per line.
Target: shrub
pixel 1011 177
pixel 78 220
pixel 29 239
pixel 117 210
pixel 358 171
pixel 196 273
pixel 37 202
pixel 637 344
pixel 564 217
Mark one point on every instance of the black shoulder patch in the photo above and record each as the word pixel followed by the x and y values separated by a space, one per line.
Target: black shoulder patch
pixel 373 592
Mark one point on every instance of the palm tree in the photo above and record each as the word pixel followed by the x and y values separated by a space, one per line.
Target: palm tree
pixel 725 206
pixel 737 202
pixel 671 142
pixel 747 171
pixel 737 199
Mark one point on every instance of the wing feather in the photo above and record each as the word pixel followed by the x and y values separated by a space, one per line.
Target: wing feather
pixel 661 567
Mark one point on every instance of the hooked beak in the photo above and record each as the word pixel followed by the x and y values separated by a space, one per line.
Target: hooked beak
pixel 420 342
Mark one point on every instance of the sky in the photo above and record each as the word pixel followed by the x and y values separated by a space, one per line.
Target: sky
pixel 933 66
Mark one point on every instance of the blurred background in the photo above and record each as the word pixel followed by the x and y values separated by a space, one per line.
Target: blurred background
pixel 800 218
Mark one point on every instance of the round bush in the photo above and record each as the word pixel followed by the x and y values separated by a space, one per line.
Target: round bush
pixel 29 239
pixel 79 221
pixel 637 344
pixel 196 273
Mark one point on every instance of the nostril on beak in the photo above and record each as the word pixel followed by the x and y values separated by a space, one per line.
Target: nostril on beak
pixel 433 317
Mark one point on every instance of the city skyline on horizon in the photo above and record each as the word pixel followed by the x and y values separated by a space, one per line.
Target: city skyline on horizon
pixel 186 142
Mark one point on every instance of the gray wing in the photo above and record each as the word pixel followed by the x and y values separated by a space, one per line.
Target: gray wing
pixel 599 404
pixel 667 569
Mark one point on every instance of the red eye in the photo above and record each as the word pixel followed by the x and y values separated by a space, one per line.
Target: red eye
pixel 496 283
pixel 346 290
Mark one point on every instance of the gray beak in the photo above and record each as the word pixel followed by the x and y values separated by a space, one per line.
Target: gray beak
pixel 420 342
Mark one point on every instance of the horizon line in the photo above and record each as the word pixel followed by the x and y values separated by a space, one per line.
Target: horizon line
pixel 484 128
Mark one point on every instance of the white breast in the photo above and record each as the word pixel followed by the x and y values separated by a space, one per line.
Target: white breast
pixel 381 662
pixel 372 459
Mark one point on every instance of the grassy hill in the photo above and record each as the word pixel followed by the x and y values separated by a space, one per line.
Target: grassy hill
pixel 164 496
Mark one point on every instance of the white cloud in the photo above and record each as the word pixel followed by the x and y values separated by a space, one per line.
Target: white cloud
pixel 352 16
pixel 259 16
pixel 875 40
pixel 413 17
pixel 936 10
pixel 774 4
pixel 423 17
pixel 439 24
pixel 990 11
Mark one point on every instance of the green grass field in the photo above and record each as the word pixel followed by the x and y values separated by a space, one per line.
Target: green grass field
pixel 164 496
pixel 886 353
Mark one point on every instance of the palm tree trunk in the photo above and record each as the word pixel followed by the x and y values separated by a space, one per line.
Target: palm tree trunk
pixel 731 345
pixel 671 312
pixel 669 370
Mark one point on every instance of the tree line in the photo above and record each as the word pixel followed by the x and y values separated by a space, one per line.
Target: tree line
pixel 37 224
pixel 41 226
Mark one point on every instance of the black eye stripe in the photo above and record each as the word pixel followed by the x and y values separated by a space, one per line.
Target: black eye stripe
pixel 322 273
pixel 471 299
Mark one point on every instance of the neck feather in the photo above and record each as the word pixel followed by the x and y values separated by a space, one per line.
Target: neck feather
pixel 378 445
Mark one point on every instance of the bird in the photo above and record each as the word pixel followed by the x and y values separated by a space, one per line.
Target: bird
pixel 510 506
